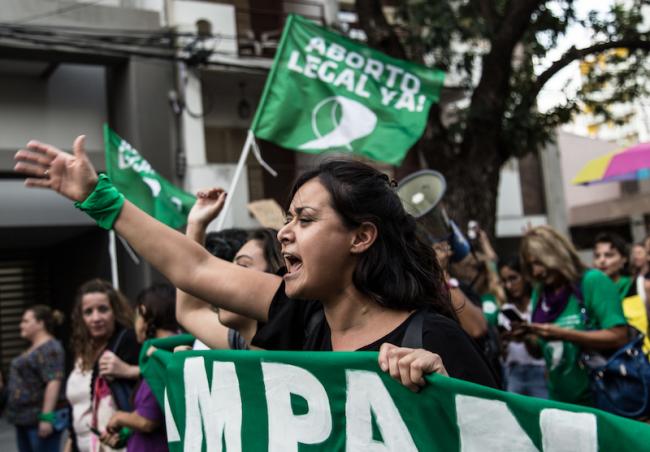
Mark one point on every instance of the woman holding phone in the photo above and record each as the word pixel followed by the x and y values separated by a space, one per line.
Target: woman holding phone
pixel 347 244
pixel 523 372
pixel 562 286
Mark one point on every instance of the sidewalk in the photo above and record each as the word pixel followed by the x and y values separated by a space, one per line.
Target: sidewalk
pixel 7 437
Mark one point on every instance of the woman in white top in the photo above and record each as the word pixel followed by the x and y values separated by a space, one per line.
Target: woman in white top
pixel 523 373
pixel 100 312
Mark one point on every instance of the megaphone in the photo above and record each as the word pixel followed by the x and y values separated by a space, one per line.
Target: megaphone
pixel 421 194
pixel 459 244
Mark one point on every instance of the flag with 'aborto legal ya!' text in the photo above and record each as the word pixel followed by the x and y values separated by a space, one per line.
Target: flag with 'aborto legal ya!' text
pixel 142 185
pixel 326 92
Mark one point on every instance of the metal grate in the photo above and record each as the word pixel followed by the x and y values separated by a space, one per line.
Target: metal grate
pixel 23 282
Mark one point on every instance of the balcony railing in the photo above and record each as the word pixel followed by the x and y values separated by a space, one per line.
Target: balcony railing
pixel 259 29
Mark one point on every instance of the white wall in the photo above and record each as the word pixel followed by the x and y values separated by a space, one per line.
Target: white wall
pixel 26 207
pixel 511 220
pixel 55 110
pixel 222 17
pixel 315 8
pixel 222 93
pixel 221 176
pixel 103 14
pixel 575 152
pixel 510 203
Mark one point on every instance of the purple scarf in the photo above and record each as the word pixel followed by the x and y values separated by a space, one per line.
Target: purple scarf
pixel 552 303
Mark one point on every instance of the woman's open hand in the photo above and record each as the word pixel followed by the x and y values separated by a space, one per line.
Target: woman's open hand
pixel 71 175
pixel 208 205
pixel 408 365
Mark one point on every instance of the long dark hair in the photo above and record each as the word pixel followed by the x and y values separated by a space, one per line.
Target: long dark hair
pixel 225 243
pixel 157 306
pixel 400 270
pixel 270 246
pixel 514 264
pixel 83 345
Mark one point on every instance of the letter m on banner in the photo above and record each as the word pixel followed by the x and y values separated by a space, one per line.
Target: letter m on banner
pixel 326 92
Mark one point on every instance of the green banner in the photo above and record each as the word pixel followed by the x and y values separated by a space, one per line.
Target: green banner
pixel 328 92
pixel 153 362
pixel 142 185
pixel 312 401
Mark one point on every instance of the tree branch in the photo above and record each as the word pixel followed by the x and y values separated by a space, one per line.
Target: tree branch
pixel 489 12
pixel 380 34
pixel 573 54
pixel 489 98
pixel 515 22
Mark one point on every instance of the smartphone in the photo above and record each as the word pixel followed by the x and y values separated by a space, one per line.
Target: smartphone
pixel 472 230
pixel 512 315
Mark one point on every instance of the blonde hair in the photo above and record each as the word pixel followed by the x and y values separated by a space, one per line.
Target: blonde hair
pixel 547 246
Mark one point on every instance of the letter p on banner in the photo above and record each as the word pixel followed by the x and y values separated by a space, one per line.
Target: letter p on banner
pixel 286 429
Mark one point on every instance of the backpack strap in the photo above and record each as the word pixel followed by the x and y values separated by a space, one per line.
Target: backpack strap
pixel 414 330
pixel 118 341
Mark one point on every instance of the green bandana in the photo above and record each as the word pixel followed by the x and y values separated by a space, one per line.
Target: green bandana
pixel 104 204
pixel 47 417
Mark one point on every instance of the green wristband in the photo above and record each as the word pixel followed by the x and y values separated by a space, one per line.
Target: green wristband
pixel 125 433
pixel 47 417
pixel 104 204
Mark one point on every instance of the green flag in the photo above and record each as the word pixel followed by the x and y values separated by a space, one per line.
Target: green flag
pixel 142 185
pixel 335 401
pixel 328 92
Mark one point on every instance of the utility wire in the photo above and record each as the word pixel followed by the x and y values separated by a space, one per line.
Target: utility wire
pixel 155 43
pixel 124 51
pixel 117 34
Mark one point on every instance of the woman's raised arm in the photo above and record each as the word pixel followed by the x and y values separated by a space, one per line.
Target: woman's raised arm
pixel 193 314
pixel 184 262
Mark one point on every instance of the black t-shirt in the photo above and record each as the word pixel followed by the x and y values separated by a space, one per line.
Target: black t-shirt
pixel 301 325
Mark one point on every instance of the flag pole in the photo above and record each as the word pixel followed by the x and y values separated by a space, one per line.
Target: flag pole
pixel 240 166
pixel 112 252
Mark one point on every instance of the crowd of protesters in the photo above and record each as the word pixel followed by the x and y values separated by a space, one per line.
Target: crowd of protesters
pixel 350 270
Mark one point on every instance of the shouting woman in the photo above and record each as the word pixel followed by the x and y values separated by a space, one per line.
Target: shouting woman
pixel 347 244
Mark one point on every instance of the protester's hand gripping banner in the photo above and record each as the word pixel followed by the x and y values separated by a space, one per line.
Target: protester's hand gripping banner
pixel 328 92
pixel 142 185
pixel 335 401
